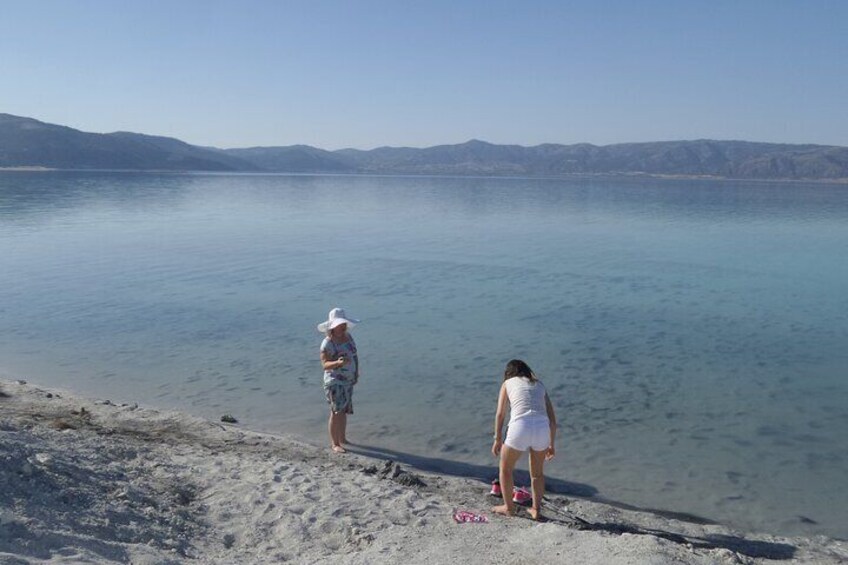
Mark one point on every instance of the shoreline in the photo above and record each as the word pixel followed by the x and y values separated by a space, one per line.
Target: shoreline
pixel 92 480
pixel 626 175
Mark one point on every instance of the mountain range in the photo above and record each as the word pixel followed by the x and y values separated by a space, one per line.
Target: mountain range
pixel 26 142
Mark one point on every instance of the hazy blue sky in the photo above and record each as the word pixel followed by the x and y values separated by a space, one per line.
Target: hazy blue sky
pixel 339 74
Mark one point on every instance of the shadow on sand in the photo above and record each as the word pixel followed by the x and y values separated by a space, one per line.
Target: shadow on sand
pixel 485 473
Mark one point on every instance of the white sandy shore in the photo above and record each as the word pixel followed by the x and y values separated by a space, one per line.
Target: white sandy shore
pixel 95 482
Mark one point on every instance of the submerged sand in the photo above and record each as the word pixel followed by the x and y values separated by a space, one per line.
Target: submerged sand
pixel 99 482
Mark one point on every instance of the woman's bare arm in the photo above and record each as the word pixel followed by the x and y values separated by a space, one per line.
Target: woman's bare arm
pixel 328 364
pixel 549 407
pixel 500 415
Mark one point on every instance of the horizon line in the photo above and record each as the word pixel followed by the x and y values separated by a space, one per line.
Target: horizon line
pixel 469 141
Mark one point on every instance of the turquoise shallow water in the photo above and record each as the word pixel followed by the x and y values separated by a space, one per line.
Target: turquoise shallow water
pixel 691 333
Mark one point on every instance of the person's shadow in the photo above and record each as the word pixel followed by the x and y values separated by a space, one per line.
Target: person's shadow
pixel 485 473
pixel 458 469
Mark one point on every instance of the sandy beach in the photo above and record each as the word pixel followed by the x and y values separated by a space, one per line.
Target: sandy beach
pixel 107 481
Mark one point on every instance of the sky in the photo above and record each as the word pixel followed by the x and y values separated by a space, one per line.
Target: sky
pixel 365 74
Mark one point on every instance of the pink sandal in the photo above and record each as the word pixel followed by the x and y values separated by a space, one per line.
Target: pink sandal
pixel 496 488
pixel 522 495
pixel 464 517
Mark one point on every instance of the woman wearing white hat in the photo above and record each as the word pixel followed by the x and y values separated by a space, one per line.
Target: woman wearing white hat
pixel 341 372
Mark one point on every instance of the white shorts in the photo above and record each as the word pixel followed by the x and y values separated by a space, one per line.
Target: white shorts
pixel 528 434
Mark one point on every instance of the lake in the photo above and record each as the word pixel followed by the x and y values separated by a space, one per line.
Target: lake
pixel 691 333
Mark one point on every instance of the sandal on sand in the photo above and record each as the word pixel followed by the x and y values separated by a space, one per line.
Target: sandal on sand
pixel 464 516
pixel 496 488
pixel 521 495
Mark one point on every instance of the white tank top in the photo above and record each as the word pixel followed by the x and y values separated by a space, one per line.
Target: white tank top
pixel 526 399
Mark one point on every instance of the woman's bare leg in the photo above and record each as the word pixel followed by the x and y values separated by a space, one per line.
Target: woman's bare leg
pixel 342 428
pixel 334 426
pixel 537 481
pixel 509 457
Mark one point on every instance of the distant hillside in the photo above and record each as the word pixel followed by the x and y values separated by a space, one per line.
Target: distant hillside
pixel 294 159
pixel 28 142
pixel 728 159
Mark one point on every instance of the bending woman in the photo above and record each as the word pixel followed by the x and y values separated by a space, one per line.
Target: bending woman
pixel 532 426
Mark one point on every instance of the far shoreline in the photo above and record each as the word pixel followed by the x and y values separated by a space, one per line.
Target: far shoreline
pixel 377 174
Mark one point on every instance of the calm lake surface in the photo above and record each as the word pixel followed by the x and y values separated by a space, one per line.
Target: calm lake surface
pixel 693 335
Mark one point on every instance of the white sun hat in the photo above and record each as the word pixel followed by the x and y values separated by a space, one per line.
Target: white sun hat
pixel 336 318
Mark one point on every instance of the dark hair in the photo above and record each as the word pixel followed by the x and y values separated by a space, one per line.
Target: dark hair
pixel 518 368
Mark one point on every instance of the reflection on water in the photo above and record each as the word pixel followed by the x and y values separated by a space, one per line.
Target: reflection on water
pixel 691 333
